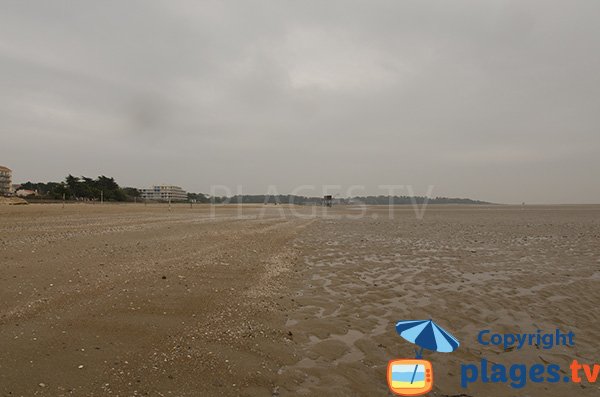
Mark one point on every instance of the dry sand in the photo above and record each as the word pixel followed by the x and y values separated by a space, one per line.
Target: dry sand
pixel 138 300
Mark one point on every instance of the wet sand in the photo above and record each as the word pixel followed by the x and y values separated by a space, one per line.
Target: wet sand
pixel 139 300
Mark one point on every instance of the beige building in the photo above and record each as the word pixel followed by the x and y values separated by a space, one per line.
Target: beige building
pixel 5 181
pixel 164 193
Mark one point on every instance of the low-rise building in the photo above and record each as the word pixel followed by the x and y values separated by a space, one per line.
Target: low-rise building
pixel 26 193
pixel 5 181
pixel 164 193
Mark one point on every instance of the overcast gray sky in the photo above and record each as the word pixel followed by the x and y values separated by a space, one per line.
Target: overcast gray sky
pixel 493 100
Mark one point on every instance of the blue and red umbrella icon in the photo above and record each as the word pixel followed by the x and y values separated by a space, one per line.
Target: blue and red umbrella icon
pixel 427 335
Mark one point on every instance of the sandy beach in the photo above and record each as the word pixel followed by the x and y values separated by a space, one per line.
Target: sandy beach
pixel 131 300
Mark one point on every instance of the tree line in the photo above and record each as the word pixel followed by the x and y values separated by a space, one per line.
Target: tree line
pixel 398 200
pixel 369 200
pixel 83 189
pixel 93 189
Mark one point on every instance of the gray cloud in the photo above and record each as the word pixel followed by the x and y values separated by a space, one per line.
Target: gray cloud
pixel 492 100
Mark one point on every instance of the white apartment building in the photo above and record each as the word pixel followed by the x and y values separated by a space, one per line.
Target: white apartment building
pixel 164 193
pixel 5 181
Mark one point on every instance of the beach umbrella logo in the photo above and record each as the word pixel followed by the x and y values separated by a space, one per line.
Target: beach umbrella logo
pixel 414 377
